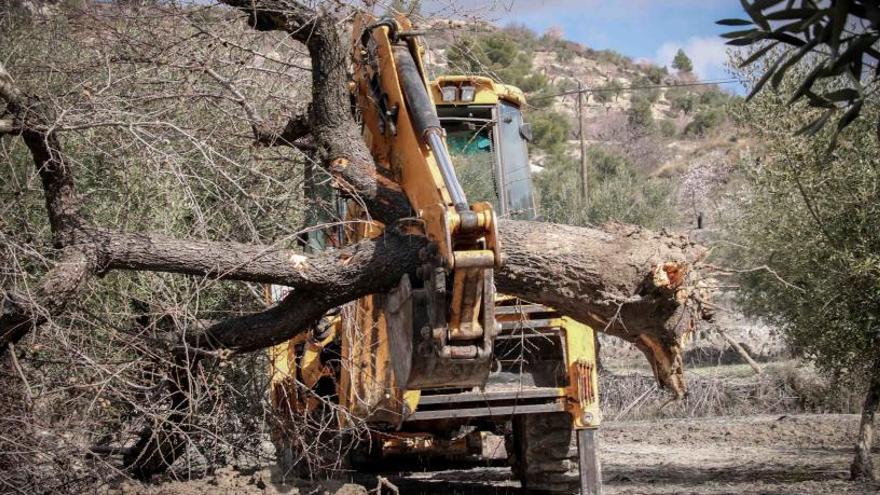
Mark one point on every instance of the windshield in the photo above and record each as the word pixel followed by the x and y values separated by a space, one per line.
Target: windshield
pixel 486 144
pixel 515 166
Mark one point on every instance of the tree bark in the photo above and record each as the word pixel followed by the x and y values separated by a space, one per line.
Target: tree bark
pixel 20 312
pixel 623 280
pixel 340 149
pixel 862 467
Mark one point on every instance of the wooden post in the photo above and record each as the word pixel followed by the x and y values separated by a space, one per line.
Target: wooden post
pixel 584 189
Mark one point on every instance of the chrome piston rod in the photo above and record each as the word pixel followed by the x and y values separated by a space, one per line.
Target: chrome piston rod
pixel 447 170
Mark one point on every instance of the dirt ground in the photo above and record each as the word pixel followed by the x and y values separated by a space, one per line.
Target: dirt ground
pixel 766 455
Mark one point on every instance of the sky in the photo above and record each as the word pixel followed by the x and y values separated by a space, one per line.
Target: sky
pixel 641 29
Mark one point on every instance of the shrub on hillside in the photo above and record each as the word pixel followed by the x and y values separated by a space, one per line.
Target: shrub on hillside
pixel 655 74
pixel 682 100
pixel 666 128
pixel 705 122
pixel 616 192
pixel 614 58
pixel 608 91
pixel 550 130
pixel 640 117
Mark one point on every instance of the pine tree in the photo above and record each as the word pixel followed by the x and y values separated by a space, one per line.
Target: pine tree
pixel 682 62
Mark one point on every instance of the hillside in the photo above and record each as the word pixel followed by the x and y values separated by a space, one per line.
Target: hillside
pixel 675 143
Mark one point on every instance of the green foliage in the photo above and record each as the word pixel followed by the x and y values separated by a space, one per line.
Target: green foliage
pixel 666 128
pixel 714 97
pixel 640 117
pixel 656 75
pixel 476 172
pixel 809 30
pixel 682 62
pixel 682 100
pixel 813 219
pixel 617 193
pixel 565 85
pixel 524 36
pixel 645 91
pixel 705 122
pixel 565 50
pixel 497 55
pixel 550 130
pixel 631 198
pixel 608 91
pixel 612 57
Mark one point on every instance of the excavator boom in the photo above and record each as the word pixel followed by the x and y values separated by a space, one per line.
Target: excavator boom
pixel 441 326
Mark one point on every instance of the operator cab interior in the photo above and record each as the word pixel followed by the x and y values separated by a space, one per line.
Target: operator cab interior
pixel 489 147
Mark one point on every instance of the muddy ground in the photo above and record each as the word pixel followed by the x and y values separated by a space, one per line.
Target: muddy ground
pixel 766 455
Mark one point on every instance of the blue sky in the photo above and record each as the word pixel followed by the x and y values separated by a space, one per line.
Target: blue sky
pixel 642 29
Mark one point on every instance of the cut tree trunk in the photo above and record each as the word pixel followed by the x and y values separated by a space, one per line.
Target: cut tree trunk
pixel 862 467
pixel 620 279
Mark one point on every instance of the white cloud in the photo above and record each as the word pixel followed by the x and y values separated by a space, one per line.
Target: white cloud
pixel 709 54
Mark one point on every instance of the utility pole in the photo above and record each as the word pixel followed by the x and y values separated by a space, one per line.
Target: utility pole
pixel 584 188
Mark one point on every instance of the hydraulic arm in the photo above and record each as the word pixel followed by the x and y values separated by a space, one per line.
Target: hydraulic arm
pixel 441 325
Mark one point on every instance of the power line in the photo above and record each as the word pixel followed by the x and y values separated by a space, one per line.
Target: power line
pixel 636 88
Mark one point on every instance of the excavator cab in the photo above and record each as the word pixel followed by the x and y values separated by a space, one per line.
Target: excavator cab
pixel 488 138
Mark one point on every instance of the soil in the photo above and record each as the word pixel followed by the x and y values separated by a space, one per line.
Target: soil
pixel 753 455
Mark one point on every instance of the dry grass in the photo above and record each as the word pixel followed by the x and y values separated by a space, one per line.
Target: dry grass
pixel 783 387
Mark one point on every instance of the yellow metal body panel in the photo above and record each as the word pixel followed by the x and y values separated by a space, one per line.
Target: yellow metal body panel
pixel 582 392
pixel 367 387
pixel 486 91
pixel 403 153
pixel 295 368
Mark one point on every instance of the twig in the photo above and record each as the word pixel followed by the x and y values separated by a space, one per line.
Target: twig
pixel 24 380
pixel 727 271
pixel 634 403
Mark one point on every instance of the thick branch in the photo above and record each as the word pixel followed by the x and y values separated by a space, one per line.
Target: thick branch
pixel 33 119
pixel 330 271
pixel 297 127
pixel 623 280
pixel 23 312
pixel 366 268
pixel 340 149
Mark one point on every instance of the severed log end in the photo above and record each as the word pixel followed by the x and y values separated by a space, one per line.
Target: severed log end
pixel 624 280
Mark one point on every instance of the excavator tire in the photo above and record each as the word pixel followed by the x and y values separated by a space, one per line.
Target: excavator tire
pixel 540 453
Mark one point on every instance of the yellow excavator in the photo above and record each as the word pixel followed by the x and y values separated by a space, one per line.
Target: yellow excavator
pixel 434 366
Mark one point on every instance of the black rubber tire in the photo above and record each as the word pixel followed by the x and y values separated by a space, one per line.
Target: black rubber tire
pixel 541 454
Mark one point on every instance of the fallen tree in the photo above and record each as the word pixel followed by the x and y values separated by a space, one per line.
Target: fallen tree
pixel 629 282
